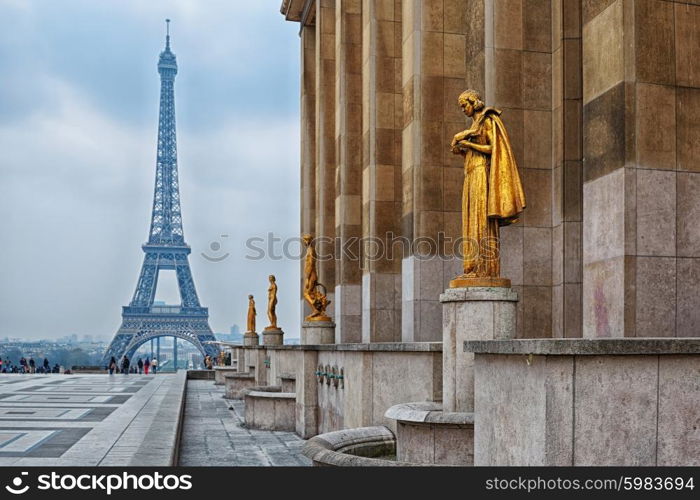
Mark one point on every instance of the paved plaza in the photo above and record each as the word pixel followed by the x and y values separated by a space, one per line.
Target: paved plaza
pixel 118 420
pixel 214 435
pixel 88 419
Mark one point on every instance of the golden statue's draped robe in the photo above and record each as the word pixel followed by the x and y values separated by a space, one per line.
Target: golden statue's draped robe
pixel 492 196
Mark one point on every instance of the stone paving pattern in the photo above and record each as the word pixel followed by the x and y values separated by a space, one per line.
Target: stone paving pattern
pixel 214 435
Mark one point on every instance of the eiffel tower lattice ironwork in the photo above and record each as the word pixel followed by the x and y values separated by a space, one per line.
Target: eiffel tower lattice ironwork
pixel 166 249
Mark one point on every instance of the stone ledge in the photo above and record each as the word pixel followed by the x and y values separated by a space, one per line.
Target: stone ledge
pixel 375 347
pixel 586 347
pixel 270 394
pixel 239 375
pixel 478 293
pixel 427 413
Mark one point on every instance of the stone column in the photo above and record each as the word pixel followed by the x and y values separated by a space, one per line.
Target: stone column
pixel 317 332
pixel 251 339
pixel 381 169
pixel 641 102
pixel 518 81
pixel 308 139
pixel 348 201
pixel 325 145
pixel 567 183
pixel 476 313
pixel 434 51
pixel 307 395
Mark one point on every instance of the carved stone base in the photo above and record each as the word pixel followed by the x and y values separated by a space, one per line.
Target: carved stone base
pixel 273 336
pixel 317 332
pixel 251 338
pixel 464 281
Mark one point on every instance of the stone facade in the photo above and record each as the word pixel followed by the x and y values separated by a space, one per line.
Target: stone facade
pixel 600 99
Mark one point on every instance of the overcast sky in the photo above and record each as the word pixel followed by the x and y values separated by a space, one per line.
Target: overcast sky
pixel 78 119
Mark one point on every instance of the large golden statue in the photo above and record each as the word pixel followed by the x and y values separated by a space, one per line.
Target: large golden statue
pixel 272 304
pixel 492 196
pixel 314 292
pixel 251 314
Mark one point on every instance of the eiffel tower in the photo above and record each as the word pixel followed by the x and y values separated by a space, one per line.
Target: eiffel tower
pixel 166 249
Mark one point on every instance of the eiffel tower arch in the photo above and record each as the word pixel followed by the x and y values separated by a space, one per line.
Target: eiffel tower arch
pixel 142 320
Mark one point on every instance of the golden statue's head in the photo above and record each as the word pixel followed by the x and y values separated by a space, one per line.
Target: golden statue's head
pixel 470 101
pixel 250 297
pixel 307 239
pixel 271 278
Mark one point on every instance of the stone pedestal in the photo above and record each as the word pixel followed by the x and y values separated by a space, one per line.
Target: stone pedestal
pixel 273 336
pixel 251 339
pixel 474 313
pixel 317 332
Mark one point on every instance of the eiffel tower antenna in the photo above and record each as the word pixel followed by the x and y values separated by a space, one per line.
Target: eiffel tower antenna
pixel 165 249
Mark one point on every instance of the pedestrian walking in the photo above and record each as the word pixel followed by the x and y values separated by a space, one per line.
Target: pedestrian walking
pixel 125 365
pixel 146 365
pixel 32 365
pixel 112 367
pixel 140 365
pixel 47 366
pixel 154 365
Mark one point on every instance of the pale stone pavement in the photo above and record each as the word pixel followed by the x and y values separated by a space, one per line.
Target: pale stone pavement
pixel 213 435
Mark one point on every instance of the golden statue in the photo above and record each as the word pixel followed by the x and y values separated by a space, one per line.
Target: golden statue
pixel 314 292
pixel 251 314
pixel 492 196
pixel 272 303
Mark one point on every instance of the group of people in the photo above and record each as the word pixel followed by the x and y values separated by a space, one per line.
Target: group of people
pixel 125 367
pixel 28 366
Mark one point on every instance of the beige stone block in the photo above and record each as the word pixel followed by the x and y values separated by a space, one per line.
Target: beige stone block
pixel 432 53
pixel 514 121
pixel 431 142
pixel 572 130
pixel 537 185
pixel 688 129
pixel 537 311
pixel 384 182
pixel 603 53
pixel 537 25
pixel 456 15
pixel 656 132
pixel 385 39
pixel 679 401
pixel 572 310
pixel 508 24
pixel 512 254
pixel 432 98
pixel 508 67
pixel 384 10
pixel 603 218
pixel 603 297
pixel 591 8
pixel 573 83
pixel 654 42
pixel 656 297
pixel 572 252
pixel 557 311
pixel 538 148
pixel 572 191
pixel 687 44
pixel 557 77
pixel 558 256
pixel 656 212
pixel 615 401
pixel 432 15
pixel 455 55
pixel 688 214
pixel 509 397
pixel 571 18
pixel 557 195
pixel 688 298
pixel 537 256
